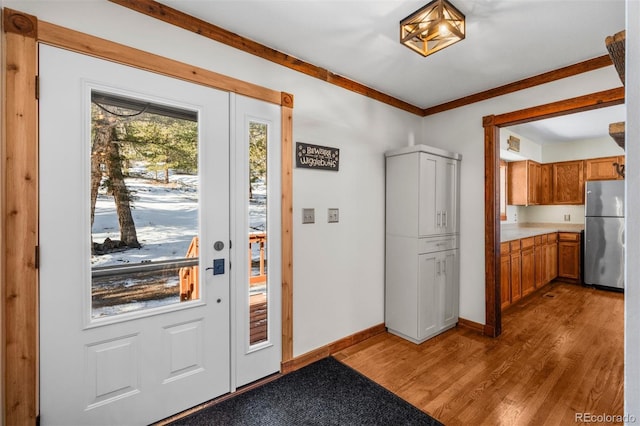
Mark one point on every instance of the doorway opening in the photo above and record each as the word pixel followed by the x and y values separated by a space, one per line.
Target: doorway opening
pixel 492 125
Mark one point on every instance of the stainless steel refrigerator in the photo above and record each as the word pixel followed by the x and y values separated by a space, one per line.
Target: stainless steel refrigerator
pixel 604 234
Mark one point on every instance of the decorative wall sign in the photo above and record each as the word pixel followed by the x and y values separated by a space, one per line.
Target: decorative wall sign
pixel 317 157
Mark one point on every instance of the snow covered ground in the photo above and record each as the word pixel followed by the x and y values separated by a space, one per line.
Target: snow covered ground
pixel 166 219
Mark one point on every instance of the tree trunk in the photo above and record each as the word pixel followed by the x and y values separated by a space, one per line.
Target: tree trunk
pixel 121 197
pixel 98 152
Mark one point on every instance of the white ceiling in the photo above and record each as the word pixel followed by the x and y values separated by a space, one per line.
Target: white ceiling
pixel 507 40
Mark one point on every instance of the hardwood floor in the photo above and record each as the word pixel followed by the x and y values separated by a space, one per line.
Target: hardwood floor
pixel 561 353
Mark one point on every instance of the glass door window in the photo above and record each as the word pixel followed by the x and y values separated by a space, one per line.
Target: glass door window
pixel 144 205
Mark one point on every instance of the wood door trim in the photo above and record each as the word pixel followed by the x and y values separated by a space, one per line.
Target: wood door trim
pixel 65 38
pixel 19 165
pixel 19 188
pixel 492 125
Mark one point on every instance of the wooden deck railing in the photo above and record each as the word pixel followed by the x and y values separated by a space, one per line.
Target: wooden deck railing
pixel 189 276
pixel 260 239
pixel 189 288
pixel 258 309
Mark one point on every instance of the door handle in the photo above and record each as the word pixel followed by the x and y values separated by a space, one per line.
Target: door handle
pixel 444 218
pixel 438 219
pixel 218 267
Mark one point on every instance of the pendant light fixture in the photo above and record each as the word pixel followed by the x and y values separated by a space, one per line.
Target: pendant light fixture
pixel 432 28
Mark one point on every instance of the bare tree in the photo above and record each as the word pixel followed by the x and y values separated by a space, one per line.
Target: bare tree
pixel 106 151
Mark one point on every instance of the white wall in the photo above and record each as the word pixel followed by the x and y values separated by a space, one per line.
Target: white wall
pixel 338 268
pixel 632 278
pixel 461 130
pixel 529 150
pixel 580 150
pixel 551 214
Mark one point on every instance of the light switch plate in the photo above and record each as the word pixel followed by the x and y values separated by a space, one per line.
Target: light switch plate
pixel 333 216
pixel 308 216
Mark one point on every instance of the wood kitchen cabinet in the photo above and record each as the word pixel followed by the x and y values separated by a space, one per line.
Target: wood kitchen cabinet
pixel 568 182
pixel 540 261
pixel 523 187
pixel 551 257
pixel 546 183
pixel 605 168
pixel 569 256
pixel 516 269
pixel 527 266
pixel 505 275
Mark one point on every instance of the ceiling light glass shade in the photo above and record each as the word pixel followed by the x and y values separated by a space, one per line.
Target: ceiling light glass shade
pixel 433 27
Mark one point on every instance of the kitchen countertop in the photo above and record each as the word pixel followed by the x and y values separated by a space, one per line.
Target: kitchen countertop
pixel 516 231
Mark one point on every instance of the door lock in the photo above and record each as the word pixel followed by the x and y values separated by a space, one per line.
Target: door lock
pixel 218 267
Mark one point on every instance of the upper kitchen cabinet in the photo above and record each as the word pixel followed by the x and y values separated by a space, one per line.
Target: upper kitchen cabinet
pixel 422 192
pixel 523 187
pixel 606 168
pixel 568 182
pixel 546 183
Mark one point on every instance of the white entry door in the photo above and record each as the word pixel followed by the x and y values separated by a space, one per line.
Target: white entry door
pixel 134 242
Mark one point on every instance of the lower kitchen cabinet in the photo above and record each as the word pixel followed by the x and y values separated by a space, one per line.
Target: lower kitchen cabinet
pixel 540 255
pixel 526 265
pixel 551 260
pixel 569 256
pixel 505 275
pixel 516 271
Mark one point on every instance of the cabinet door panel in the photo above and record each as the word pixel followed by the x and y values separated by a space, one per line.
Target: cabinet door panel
pixel 528 271
pixel 449 286
pixel 447 194
pixel 505 280
pixel 569 259
pixel 430 216
pixel 429 274
pixel 516 277
pixel 568 182
pixel 546 179
pixel 601 168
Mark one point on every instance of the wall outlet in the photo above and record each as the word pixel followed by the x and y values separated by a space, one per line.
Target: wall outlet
pixel 308 215
pixel 333 216
pixel 567 217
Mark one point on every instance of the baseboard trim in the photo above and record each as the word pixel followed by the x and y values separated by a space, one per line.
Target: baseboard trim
pixel 471 325
pixel 328 350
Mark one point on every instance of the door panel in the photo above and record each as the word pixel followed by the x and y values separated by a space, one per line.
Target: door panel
pixel 139 364
pixel 256 242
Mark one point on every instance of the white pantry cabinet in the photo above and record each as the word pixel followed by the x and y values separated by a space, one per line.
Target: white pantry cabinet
pixel 422 265
pixel 422 192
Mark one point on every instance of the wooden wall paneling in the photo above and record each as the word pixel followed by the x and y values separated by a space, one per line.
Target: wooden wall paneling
pixel 287 227
pixel 19 219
